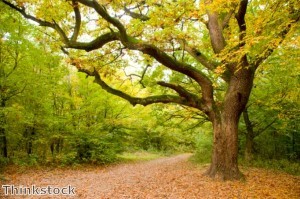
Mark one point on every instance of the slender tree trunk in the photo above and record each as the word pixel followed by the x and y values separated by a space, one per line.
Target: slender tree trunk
pixel 29 134
pixel 3 144
pixel 225 126
pixel 250 135
pixel 249 148
pixel 56 145
pixel 52 148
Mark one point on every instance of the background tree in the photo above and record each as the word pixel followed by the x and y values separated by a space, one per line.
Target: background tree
pixel 271 113
pixel 16 53
pixel 202 54
pixel 29 77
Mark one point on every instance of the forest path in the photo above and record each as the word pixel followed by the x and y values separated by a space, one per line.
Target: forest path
pixel 169 177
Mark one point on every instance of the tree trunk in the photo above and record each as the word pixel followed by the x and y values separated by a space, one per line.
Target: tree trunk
pixel 3 143
pixel 225 151
pixel 250 135
pixel 29 134
pixel 225 126
pixel 249 148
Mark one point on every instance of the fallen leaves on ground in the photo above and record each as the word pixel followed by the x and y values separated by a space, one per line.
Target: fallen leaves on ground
pixel 171 177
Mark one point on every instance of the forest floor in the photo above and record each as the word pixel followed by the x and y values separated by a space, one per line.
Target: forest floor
pixel 169 177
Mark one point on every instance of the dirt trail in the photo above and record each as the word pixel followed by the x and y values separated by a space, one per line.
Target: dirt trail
pixel 171 177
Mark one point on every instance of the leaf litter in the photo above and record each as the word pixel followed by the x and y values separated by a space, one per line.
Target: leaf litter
pixel 169 177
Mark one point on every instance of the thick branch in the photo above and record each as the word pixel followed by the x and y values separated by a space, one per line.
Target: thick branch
pixel 77 20
pixel 240 17
pixel 199 57
pixel 168 61
pixel 96 43
pixel 193 100
pixel 134 100
pixel 210 65
pixel 215 31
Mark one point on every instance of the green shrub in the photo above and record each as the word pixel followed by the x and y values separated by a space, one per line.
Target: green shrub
pixel 97 149
pixel 3 161
pixel 65 159
pixel 285 165
pixel 203 148
pixel 22 159
pixel 32 160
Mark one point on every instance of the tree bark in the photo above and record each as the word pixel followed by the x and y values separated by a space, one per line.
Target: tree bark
pixel 224 163
pixel 225 126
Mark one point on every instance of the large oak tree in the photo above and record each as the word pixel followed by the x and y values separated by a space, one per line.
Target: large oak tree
pixel 200 54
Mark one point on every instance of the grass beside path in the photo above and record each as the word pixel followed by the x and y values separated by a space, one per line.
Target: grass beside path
pixel 139 156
